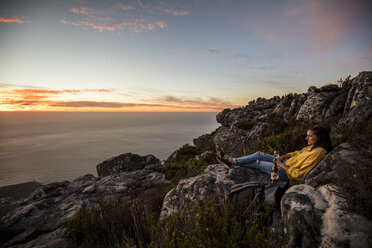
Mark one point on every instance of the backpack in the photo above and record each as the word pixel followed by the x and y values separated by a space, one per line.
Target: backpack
pixel 250 197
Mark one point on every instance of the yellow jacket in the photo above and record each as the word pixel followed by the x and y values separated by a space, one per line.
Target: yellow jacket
pixel 301 162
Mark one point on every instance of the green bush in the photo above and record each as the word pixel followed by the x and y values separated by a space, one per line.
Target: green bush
pixel 209 223
pixel 276 122
pixel 287 99
pixel 245 125
pixel 185 164
pixel 205 142
pixel 214 223
pixel 360 134
pixel 120 223
pixel 285 142
pixel 354 183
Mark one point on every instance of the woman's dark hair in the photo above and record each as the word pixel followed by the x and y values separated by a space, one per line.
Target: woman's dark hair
pixel 323 138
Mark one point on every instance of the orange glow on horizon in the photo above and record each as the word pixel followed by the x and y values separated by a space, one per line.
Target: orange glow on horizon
pixel 113 110
pixel 40 100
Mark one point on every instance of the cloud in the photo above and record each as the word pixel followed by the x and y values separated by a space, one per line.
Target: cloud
pixel 262 68
pixel 181 13
pixel 21 93
pixel 274 56
pixel 208 53
pixel 258 68
pixel 92 14
pixel 98 27
pixel 92 104
pixel 241 56
pixel 13 19
pixel 176 12
pixel 136 25
pixel 214 103
pixel 357 61
pixel 18 85
pixel 318 24
pixel 136 17
pixel 161 24
pixel 124 7
pixel 53 100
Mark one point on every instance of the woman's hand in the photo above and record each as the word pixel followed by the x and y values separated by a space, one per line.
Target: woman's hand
pixel 283 157
pixel 280 164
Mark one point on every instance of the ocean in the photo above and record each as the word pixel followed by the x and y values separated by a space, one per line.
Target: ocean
pixel 54 146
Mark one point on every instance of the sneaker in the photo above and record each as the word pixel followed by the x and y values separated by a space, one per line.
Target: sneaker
pixel 224 159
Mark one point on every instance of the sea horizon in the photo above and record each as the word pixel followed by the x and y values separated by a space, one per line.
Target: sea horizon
pixel 53 146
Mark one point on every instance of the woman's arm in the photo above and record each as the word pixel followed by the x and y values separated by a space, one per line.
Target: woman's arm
pixel 297 172
pixel 284 156
pixel 281 164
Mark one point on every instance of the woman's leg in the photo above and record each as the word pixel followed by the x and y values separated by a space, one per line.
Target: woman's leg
pixel 258 156
pixel 266 167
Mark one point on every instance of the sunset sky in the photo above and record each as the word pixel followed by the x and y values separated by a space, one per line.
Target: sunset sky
pixel 196 55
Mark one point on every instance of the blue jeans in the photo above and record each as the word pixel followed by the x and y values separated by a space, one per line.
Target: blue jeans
pixel 261 161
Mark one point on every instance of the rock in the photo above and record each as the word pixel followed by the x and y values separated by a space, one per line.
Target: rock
pixel 342 228
pixel 34 223
pixel 216 179
pixel 125 163
pixel 347 105
pixel 12 196
pixel 230 140
pixel 330 88
pixel 258 132
pixel 227 117
pixel 262 104
pixel 294 107
pixel 302 208
pixel 47 240
pixel 313 218
pixel 204 143
pixel 251 112
pixel 359 100
pixel 317 103
pixel 203 155
pixel 325 172
pixel 313 89
pixel 336 108
pixel 312 212
pixel 183 153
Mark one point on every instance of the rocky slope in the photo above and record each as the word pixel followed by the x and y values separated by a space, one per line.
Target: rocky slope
pixel 37 223
pixel 311 213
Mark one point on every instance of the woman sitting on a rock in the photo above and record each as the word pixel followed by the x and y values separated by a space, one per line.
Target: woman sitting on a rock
pixel 294 165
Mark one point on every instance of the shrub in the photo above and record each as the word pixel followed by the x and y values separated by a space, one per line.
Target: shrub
pixel 120 223
pixel 205 142
pixel 360 134
pixel 354 184
pixel 185 164
pixel 287 141
pixel 287 99
pixel 276 122
pixel 214 223
pixel 245 125
pixel 210 223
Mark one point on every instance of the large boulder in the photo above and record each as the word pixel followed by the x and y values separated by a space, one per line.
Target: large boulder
pixel 125 163
pixel 250 113
pixel 230 140
pixel 12 196
pixel 359 100
pixel 317 103
pixel 314 214
pixel 326 171
pixel 37 222
pixel 216 179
